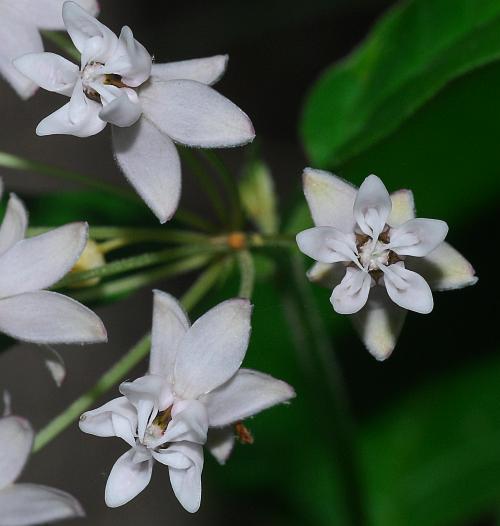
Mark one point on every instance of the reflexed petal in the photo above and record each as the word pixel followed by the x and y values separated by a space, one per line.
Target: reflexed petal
pixel 151 164
pixel 205 70
pixel 189 422
pixel 170 324
pixel 372 206
pixel 14 224
pixel 117 417
pixel 16 440
pixel 408 289
pixel 328 245
pixel 213 348
pixel 127 479
pixel 121 111
pixel 444 268
pixel 379 323
pixel 326 274
pixel 403 207
pixel 49 317
pixel 221 443
pixel 194 114
pixel 30 504
pixel 418 237
pixel 351 294
pixel 330 199
pixel 38 262
pixel 49 71
pixel 245 394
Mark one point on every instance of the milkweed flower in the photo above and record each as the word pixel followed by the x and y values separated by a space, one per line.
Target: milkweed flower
pixel 20 25
pixel 379 259
pixel 150 106
pixel 23 504
pixel 27 266
pixel 194 383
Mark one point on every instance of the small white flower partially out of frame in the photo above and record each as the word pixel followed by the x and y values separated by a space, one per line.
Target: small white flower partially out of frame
pixel 27 266
pixel 150 106
pixel 194 383
pixel 379 259
pixel 20 25
pixel 23 504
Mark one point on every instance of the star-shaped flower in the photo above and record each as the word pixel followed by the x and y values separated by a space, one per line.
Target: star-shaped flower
pixel 27 266
pixel 379 259
pixel 20 25
pixel 24 504
pixel 150 106
pixel 194 383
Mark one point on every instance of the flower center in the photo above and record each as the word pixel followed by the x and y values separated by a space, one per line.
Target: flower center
pixel 158 426
pixel 92 73
pixel 374 253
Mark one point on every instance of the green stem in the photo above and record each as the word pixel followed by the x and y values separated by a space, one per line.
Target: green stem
pixel 63 42
pixel 122 367
pixel 247 272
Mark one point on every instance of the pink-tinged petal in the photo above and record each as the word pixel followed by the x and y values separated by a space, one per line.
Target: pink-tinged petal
pixel 444 268
pixel 189 422
pixel 205 70
pixel 330 199
pixel 170 324
pixel 117 417
pixel 194 114
pixel 221 443
pixel 328 245
pixel 151 164
pixel 372 206
pixel 408 289
pixel 30 504
pixel 38 262
pixel 244 395
pixel 14 224
pixel 49 71
pixel 127 479
pixel 328 275
pixel 379 323
pixel 403 207
pixel 213 348
pixel 48 317
pixel 121 111
pixel 351 294
pixel 16 441
pixel 418 237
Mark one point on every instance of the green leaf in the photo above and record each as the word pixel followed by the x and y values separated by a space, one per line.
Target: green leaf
pixel 411 54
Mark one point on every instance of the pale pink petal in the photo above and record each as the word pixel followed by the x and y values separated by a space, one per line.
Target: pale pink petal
pixel 403 207
pixel 16 441
pixel 14 224
pixel 189 422
pixel 351 294
pixel 328 245
pixel 418 237
pixel 221 443
pixel 121 111
pixel 372 206
pixel 205 70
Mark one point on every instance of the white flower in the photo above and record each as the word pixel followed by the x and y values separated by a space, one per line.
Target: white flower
pixel 150 105
pixel 29 265
pixel 20 25
pixel 24 504
pixel 194 383
pixel 370 247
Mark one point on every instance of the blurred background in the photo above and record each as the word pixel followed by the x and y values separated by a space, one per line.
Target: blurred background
pixel 421 110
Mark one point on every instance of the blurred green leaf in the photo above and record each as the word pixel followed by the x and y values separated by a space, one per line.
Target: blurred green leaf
pixel 411 54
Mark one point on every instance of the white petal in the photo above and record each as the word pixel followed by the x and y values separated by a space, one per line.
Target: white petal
pixel 403 207
pixel 130 60
pixel 30 504
pixel 372 206
pixel 121 111
pixel 351 294
pixel 330 199
pixel 221 443
pixel 49 71
pixel 444 268
pixel 213 348
pixel 418 237
pixel 328 245
pixel 117 417
pixel 194 114
pixel 54 363
pixel 205 70
pixel 49 317
pixel 38 262
pixel 328 275
pixel 127 479
pixel 16 440
pixel 189 422
pixel 379 323
pixel 151 164
pixel 408 289
pixel 170 324
pixel 245 394
pixel 14 224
